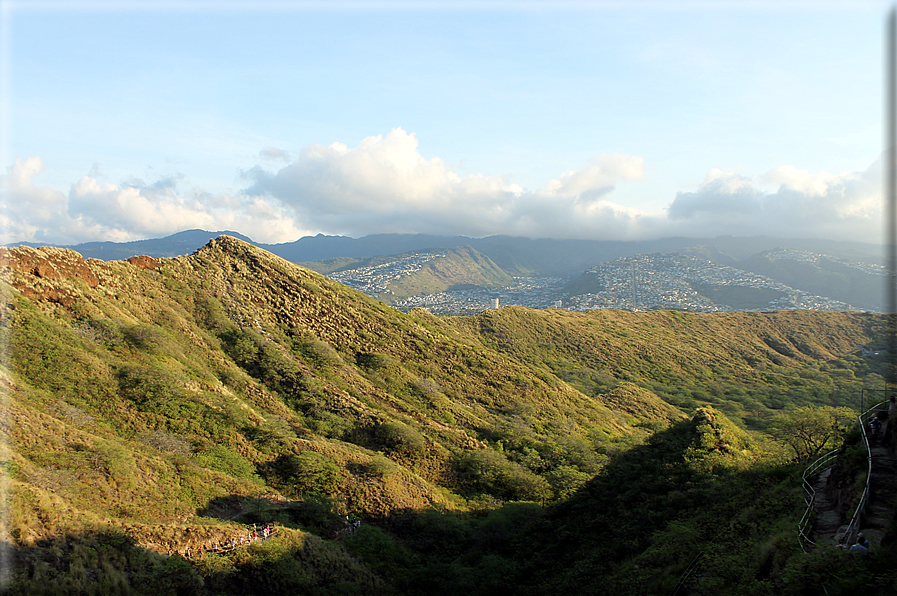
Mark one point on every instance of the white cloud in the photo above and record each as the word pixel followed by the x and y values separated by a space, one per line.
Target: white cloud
pixel 385 185
pixel 800 180
pixel 274 153
pixel 27 209
pixel 847 206
pixel 600 175
pixel 93 211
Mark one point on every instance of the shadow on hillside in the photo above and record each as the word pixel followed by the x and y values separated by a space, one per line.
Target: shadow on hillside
pixel 231 507
pixel 112 563
pixel 97 563
pixel 632 529
pixel 317 514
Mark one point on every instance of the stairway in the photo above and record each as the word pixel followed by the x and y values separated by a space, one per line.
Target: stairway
pixel 882 493
pixel 828 523
pixel 879 511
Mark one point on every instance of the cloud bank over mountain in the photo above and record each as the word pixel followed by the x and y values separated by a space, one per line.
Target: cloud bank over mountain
pixel 385 185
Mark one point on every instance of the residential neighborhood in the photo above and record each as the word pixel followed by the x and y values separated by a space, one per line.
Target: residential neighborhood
pixel 642 282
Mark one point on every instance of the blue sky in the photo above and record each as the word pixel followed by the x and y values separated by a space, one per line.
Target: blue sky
pixel 130 120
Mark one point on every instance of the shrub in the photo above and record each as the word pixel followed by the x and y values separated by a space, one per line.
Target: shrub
pixel 374 361
pixel 224 460
pixel 377 549
pixel 105 331
pixel 328 424
pixel 264 360
pixel 165 441
pixel 320 353
pixel 427 386
pixel 490 472
pixel 319 514
pixel 380 466
pixel 566 480
pixel 148 386
pixel 211 315
pixel 400 439
pixel 148 338
pixel 312 473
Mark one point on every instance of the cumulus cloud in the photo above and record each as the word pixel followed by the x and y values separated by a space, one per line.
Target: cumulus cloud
pixel 134 210
pixel 385 185
pixel 29 210
pixel 846 206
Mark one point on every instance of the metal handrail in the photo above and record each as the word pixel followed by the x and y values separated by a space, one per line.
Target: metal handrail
pixel 684 577
pixel 803 526
pixel 853 526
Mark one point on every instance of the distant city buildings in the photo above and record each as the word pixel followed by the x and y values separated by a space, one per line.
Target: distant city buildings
pixel 374 280
pixel 643 282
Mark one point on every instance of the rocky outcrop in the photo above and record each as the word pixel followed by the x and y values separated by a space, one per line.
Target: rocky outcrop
pixel 49 273
pixel 145 262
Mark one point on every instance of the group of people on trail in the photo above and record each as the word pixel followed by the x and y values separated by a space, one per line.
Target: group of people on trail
pixel 249 537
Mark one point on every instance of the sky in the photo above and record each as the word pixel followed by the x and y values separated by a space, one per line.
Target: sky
pixel 598 120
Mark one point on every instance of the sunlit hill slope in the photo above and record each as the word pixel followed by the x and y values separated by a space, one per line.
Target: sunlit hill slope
pixel 152 400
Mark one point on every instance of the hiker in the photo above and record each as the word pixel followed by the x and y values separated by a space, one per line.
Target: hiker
pixel 859 548
pixel 875 426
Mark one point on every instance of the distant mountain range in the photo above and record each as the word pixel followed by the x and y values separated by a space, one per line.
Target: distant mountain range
pixel 394 267
pixel 515 255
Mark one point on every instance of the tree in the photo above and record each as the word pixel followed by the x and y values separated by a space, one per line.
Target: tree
pixel 809 430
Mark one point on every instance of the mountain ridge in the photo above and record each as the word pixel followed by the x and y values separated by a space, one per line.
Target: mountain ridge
pixel 152 395
pixel 516 255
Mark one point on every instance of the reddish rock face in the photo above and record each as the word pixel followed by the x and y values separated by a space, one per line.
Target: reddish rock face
pixel 145 262
pixel 45 270
pixel 48 265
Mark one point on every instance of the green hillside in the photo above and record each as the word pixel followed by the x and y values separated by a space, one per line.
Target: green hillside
pixel 160 404
pixel 452 269
pixel 462 266
pixel 824 276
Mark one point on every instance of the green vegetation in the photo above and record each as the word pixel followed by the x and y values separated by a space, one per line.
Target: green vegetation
pixel 459 267
pixel 740 297
pixel 809 431
pixel 513 451
pixel 825 277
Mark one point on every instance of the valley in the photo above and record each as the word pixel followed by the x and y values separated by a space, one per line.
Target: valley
pixel 159 404
pixel 674 281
